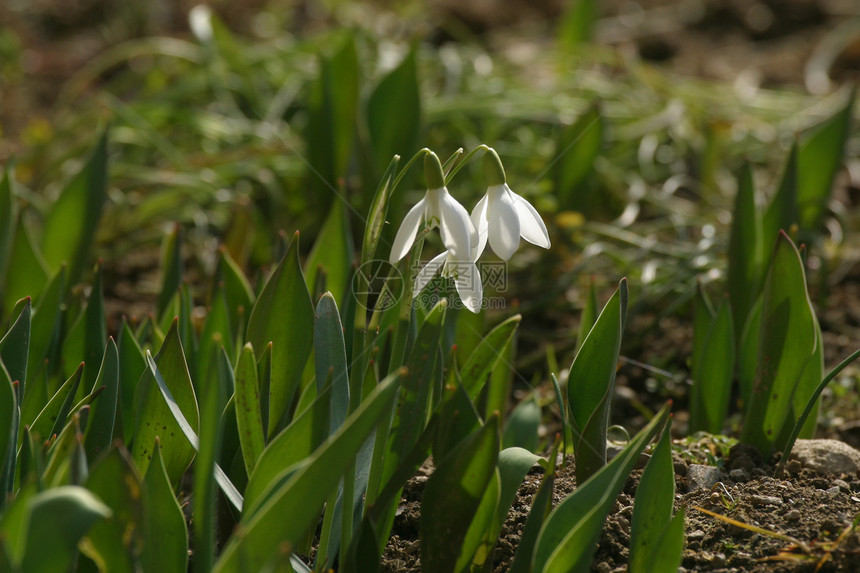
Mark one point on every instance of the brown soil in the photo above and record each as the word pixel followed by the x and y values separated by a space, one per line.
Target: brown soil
pixel 811 508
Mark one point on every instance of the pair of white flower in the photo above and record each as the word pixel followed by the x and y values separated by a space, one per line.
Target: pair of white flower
pixel 501 217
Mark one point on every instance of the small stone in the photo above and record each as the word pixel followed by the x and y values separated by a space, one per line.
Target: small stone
pixel 793 515
pixel 603 567
pixel 739 475
pixel 698 534
pixel 700 476
pixel 764 500
pixel 833 491
pixel 718 560
pixel 843 485
pixel 827 456
pixel 793 467
pixel 680 467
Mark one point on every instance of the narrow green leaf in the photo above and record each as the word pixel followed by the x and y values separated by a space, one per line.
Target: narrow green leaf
pixel 588 315
pixel 703 319
pixel 153 417
pixel 330 359
pixel 670 549
pixel 213 399
pixel 27 272
pixel 591 383
pixel 64 515
pixel 283 315
pixel 458 418
pixel 818 160
pixel 294 444
pixel 453 494
pixel 746 251
pixel 171 270
pixel 712 376
pixel 478 542
pixel 45 321
pixel 70 226
pixel 52 418
pixel 216 334
pixel 15 348
pixel 131 368
pixel 100 427
pixel 787 343
pixel 63 465
pixel 165 534
pixel 521 427
pixel 652 511
pixel 577 24
pixel 577 147
pixel 569 535
pixel 394 113
pixel 332 107
pixel 238 292
pixel 9 423
pixel 117 543
pixel 8 216
pixel 377 212
pixel 249 420
pixel 541 508
pixel 333 253
pixel 265 533
pixel 781 213
pixel 487 355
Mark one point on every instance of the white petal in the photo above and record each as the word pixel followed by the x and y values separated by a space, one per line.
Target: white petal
pixel 457 229
pixel 504 224
pixel 429 271
pixel 469 287
pixel 407 231
pixel 532 226
pixel 479 221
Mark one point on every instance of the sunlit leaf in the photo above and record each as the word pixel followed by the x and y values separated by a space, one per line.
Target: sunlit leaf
pixel 713 374
pixel 165 535
pixel 332 254
pixel 249 419
pixel 100 426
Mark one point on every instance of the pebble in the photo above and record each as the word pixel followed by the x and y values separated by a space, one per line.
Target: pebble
pixel 718 560
pixel 843 485
pixel 827 456
pixel 603 567
pixel 764 500
pixel 739 474
pixel 833 491
pixel 700 476
pixel 698 534
pixel 793 515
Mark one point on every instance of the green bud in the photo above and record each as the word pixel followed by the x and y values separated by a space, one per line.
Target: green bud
pixel 493 169
pixel 433 174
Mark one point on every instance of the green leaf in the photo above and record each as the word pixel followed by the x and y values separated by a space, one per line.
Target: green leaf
pixel 153 417
pixel 577 23
pixel 377 212
pixel 27 271
pixel 131 368
pixel 588 316
pixel 9 422
pixel 712 376
pixel 591 382
pixel 818 160
pixel 216 334
pixel 283 315
pixel 165 535
pixel 64 463
pixel 62 515
pixel 577 147
pixel 781 214
pixel 45 322
pixel 301 497
pixel 213 400
pixel 332 254
pixel 238 292
pixel 652 511
pixel 394 113
pixel 787 343
pixel 452 496
pixel 70 226
pixel 487 355
pixel 541 508
pixel 670 548
pixel 52 418
pixel 249 419
pixel 746 251
pixel 332 109
pixel 8 216
pixel 171 270
pixel 330 359
pixel 521 427
pixel 116 544
pixel 15 348
pixel 569 535
pixel 102 418
pixel 294 444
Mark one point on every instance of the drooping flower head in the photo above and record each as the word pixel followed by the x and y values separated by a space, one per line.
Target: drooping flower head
pixel 439 209
pixel 502 217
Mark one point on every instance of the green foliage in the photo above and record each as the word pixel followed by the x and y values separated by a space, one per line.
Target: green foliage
pixel 713 366
pixel 656 537
pixel 591 383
